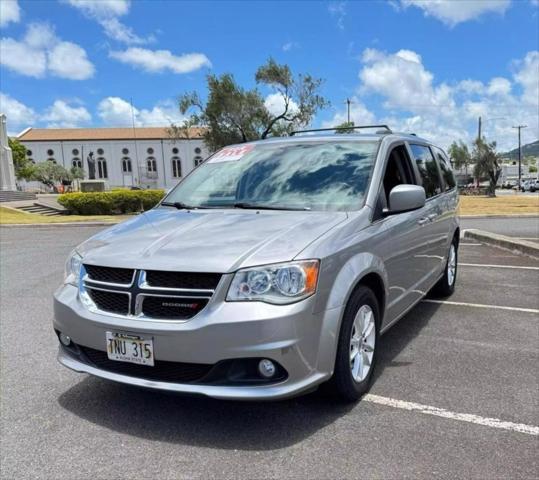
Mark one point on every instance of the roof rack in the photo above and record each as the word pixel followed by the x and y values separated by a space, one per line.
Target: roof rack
pixel 388 130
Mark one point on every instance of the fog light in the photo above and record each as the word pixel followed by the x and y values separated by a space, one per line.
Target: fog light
pixel 266 368
pixel 66 340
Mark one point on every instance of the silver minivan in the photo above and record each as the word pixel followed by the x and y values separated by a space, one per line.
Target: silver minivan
pixel 271 269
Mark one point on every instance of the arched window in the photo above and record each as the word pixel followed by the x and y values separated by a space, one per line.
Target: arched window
pixel 126 165
pixel 51 160
pixel 102 168
pixel 176 167
pixel 198 161
pixel 151 164
pixel 77 162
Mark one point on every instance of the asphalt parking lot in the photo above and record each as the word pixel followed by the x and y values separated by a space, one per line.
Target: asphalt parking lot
pixel 455 395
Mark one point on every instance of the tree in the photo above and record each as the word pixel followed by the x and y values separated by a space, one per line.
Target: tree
pixel 345 127
pixel 487 163
pixel 232 114
pixel 50 174
pixel 23 167
pixel 460 155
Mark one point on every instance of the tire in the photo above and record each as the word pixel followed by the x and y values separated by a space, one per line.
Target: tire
pixel 446 285
pixel 345 384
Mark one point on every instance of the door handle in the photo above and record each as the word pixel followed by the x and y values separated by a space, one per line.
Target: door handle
pixel 423 221
pixel 432 216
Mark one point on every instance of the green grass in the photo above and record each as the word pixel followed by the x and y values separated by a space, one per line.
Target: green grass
pixel 10 216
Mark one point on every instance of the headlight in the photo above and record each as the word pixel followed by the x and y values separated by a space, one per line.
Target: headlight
pixel 280 283
pixel 72 269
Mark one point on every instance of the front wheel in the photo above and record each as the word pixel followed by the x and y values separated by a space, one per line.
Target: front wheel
pixel 446 285
pixel 356 351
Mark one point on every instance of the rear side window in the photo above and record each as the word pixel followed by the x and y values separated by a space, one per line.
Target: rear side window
pixel 428 170
pixel 445 167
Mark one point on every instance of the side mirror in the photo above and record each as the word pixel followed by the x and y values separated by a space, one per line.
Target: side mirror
pixel 404 198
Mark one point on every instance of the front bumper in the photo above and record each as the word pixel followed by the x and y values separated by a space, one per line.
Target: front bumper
pixel 301 340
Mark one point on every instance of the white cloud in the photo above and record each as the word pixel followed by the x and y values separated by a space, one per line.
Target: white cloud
pixel 41 52
pixel 527 75
pixel 338 10
pixel 106 13
pixel 160 60
pixel 115 111
pixel 499 86
pixel 63 115
pixel 452 12
pixel 290 46
pixel 18 115
pixel 10 12
pixel 275 104
pixel 414 101
pixel 68 60
pixel 402 79
pixel 101 8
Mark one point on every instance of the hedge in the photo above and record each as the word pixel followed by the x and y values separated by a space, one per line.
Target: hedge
pixel 110 203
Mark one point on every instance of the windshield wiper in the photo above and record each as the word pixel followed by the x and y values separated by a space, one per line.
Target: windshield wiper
pixel 179 205
pixel 254 206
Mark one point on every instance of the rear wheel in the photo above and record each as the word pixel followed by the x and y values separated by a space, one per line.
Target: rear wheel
pixel 446 285
pixel 356 351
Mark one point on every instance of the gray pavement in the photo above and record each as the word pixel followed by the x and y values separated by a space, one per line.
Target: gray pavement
pixel 57 424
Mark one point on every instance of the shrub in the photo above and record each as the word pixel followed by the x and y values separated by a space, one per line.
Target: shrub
pixel 110 203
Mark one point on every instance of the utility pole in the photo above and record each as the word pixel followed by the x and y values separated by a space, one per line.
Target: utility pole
pixel 479 129
pixel 519 128
pixel 348 104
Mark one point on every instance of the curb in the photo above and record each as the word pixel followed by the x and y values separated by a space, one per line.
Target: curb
pixel 515 245
pixel 59 224
pixel 507 215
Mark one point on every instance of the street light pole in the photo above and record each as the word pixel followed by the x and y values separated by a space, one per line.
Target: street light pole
pixel 348 102
pixel 519 128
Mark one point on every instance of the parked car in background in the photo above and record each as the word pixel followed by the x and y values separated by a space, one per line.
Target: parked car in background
pixel 272 268
pixel 529 185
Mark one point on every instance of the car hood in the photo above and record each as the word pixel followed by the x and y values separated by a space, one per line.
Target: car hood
pixel 217 241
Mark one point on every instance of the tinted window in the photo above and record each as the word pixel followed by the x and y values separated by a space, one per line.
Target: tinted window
pixel 445 167
pixel 428 170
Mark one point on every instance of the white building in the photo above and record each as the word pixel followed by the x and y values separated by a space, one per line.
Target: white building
pixel 123 157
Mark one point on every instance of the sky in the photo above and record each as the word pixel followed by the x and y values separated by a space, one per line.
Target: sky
pixel 425 66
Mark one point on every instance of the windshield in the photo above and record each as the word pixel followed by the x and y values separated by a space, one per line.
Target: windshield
pixel 312 175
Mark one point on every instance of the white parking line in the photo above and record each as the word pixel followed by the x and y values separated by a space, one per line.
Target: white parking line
pixel 481 305
pixel 462 417
pixel 470 244
pixel 496 266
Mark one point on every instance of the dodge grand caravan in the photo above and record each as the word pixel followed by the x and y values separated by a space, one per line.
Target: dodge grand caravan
pixel 272 268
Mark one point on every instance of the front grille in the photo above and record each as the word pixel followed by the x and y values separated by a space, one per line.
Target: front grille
pixel 187 280
pixel 172 307
pixel 162 371
pixel 110 275
pixel 115 302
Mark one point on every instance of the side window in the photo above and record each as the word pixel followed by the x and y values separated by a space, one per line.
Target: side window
pixel 428 170
pixel 445 167
pixel 398 171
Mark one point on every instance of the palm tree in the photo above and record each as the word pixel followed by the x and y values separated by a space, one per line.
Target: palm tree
pixel 487 163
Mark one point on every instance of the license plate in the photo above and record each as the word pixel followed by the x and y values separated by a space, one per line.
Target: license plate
pixel 130 348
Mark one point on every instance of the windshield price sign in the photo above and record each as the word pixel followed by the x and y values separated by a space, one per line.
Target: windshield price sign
pixel 230 154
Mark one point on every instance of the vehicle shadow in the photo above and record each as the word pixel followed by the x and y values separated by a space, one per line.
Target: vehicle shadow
pixel 228 425
pixel 200 421
pixel 400 335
